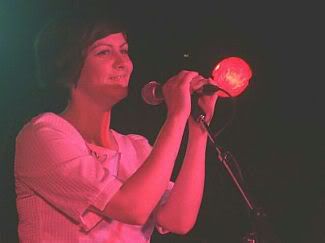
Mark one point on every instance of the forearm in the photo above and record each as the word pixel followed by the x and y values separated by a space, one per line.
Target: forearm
pixel 142 191
pixel 180 212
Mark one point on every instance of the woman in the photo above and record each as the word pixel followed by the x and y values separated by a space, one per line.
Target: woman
pixel 77 180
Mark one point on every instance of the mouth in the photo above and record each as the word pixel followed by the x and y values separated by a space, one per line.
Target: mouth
pixel 118 77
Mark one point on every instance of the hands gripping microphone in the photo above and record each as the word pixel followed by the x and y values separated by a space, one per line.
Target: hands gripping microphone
pixel 231 76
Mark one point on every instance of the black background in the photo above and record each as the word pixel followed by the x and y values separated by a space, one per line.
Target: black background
pixel 277 135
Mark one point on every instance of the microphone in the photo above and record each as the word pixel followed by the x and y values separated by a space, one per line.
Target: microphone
pixel 231 77
pixel 152 92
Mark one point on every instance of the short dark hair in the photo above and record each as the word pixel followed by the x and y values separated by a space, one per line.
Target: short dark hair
pixel 60 47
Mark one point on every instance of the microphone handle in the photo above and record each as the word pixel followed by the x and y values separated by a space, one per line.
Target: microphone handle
pixel 207 89
pixel 152 92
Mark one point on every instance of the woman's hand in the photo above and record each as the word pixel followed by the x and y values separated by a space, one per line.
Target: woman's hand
pixel 177 94
pixel 206 102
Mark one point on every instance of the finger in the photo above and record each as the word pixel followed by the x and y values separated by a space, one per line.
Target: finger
pixel 188 76
pixel 186 79
pixel 197 82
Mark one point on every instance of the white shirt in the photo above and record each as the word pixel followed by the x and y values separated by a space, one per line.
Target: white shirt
pixel 59 176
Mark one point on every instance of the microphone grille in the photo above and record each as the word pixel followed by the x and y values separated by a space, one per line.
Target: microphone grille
pixel 150 93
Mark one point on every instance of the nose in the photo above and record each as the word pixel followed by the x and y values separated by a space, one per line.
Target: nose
pixel 120 62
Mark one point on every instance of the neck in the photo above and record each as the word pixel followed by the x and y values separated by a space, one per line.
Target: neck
pixel 92 122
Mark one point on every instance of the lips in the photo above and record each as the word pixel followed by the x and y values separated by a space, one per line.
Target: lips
pixel 118 77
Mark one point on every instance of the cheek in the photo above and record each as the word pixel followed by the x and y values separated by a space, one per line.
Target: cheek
pixel 130 66
pixel 91 73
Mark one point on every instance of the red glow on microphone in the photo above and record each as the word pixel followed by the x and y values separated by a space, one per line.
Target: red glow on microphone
pixel 232 74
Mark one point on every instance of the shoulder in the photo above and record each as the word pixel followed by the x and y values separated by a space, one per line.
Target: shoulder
pixel 46 125
pixel 47 139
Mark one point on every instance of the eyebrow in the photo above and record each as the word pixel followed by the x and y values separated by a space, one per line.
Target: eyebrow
pixel 105 44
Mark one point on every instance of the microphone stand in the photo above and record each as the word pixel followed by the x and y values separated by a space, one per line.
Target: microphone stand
pixel 261 231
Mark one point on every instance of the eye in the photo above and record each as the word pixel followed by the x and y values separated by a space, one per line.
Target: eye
pixel 125 51
pixel 103 52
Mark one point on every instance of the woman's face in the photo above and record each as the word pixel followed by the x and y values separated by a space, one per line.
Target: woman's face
pixel 107 69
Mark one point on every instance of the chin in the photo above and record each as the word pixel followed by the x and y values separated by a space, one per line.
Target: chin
pixel 106 95
pixel 114 94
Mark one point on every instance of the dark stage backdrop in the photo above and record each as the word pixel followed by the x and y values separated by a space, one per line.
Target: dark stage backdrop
pixel 277 134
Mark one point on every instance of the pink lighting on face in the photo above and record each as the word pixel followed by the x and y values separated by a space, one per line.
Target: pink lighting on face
pixel 232 74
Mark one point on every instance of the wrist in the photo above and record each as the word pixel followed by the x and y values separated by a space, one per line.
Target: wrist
pixel 177 117
pixel 196 129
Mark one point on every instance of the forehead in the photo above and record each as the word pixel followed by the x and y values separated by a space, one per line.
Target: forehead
pixel 116 39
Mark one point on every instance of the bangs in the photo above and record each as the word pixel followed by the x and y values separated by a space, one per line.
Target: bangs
pixel 98 26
